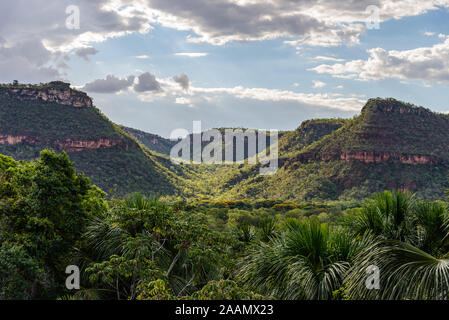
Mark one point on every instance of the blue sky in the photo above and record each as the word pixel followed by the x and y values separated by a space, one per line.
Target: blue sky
pixel 240 67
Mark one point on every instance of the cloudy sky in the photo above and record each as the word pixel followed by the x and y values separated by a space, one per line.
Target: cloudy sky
pixel 158 65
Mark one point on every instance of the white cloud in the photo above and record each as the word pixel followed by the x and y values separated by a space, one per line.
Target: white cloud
pixel 327 100
pixel 192 54
pixel 41 28
pixel 324 58
pixel 173 91
pixel 318 23
pixel 144 56
pixel 318 84
pixel 429 34
pixel 426 64
pixel 184 100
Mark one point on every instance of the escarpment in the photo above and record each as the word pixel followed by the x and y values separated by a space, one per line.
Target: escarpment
pixel 57 91
pixel 387 130
pixel 367 157
pixel 69 145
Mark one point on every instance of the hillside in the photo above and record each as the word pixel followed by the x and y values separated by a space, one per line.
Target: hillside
pixel 151 141
pixel 390 145
pixel 57 117
pixel 387 128
pixel 308 132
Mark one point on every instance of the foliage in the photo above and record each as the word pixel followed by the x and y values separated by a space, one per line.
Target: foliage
pixel 44 209
pixel 143 240
pixel 225 290
pixel 308 261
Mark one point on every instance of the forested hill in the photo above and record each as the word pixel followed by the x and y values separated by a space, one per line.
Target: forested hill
pixel 390 145
pixel 389 129
pixel 57 117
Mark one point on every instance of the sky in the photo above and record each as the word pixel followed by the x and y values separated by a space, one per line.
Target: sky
pixel 159 65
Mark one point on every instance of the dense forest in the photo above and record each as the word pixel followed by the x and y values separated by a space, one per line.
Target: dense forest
pixel 146 248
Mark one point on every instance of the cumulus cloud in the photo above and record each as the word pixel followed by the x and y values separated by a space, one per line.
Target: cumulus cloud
pixel 111 84
pixel 147 82
pixel 44 32
pixel 183 80
pixel 28 61
pixel 318 23
pixel 426 64
pixel 86 52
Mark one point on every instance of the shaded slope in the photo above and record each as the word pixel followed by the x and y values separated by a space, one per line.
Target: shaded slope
pixel 153 142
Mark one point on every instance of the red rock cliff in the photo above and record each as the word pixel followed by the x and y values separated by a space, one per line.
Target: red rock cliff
pixel 69 145
pixel 368 157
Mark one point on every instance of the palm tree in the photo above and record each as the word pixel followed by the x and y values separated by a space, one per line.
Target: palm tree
pixel 411 250
pixel 309 261
pixel 388 215
pixel 406 272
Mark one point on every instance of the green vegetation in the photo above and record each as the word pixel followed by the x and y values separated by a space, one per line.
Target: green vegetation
pixel 307 133
pixel 124 168
pixel 389 125
pixel 410 144
pixel 154 230
pixel 310 162
pixel 145 248
pixel 51 121
pixel 151 141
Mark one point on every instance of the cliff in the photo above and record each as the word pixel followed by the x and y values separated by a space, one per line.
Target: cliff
pixel 366 157
pixel 69 145
pixel 386 130
pixel 58 92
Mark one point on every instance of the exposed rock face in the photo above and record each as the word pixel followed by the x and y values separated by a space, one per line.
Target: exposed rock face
pixel 8 139
pixel 393 106
pixel 370 157
pixel 69 145
pixel 377 157
pixel 58 92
